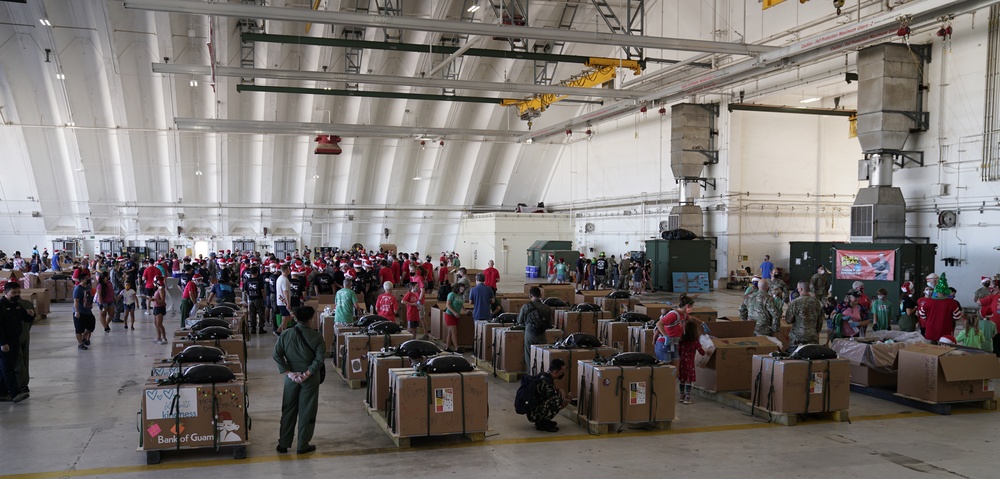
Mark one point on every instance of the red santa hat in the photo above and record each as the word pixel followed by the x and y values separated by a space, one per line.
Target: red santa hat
pixel 984 279
pixel 947 339
pixel 357 264
pixel 907 287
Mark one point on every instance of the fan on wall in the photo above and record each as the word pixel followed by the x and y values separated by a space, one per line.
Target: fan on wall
pixel 588 228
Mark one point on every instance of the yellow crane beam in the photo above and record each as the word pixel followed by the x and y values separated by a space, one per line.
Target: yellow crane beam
pixel 603 70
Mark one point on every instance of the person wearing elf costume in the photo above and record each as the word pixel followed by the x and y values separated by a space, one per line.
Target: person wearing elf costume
pixel 939 313
pixel 880 311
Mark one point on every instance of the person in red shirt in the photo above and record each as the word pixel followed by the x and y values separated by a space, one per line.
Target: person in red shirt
pixel 149 277
pixel 428 272
pixel 442 272
pixel 386 305
pixel 939 313
pixel 405 270
pixel 492 276
pixel 189 298
pixel 552 268
pixel 413 305
pixel 397 273
pixel 385 274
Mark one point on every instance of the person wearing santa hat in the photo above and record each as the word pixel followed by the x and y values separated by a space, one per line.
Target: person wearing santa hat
pixel 189 298
pixel 907 308
pixel 984 290
pixel 939 313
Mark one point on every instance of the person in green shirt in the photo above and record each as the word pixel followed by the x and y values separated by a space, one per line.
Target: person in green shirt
pixel 299 353
pixel 453 313
pixel 977 334
pixel 880 311
pixel 346 302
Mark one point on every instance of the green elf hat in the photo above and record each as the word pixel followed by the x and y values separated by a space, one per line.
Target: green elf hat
pixel 942 290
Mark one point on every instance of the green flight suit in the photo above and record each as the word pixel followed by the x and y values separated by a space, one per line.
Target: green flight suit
pixel 299 400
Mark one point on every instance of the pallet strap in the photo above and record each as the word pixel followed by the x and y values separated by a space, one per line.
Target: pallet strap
pixel 652 395
pixel 770 392
pixel 461 380
pixel 622 394
pixel 390 407
pixel 809 369
pixel 175 409
pixel 430 402
pixel 215 419
pixel 497 347
pixel 369 399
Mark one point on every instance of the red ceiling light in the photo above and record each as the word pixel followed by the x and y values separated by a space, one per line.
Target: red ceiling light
pixel 328 145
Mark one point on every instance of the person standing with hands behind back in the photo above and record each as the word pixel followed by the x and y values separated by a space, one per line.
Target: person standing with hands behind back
pixel 299 352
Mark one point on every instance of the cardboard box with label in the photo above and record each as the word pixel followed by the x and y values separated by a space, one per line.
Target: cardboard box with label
pixel 579 322
pixel 438 404
pixel 824 384
pixel 466 328
pixel 937 373
pixel 339 331
pixel 614 333
pixel 726 364
pixel 354 352
pixel 231 345
pixel 643 394
pixel 377 391
pixel 652 309
pixel 508 348
pixel 166 367
pixel 183 417
pixel 542 355
pixel 640 339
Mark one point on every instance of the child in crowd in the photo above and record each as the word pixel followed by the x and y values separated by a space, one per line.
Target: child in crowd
pixel 412 302
pixel 128 297
pixel 977 334
pixel 880 311
pixel 685 372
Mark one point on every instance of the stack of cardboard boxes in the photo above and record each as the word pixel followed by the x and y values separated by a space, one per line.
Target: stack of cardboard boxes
pixel 541 356
pixel 729 350
pixel 626 394
pixel 437 404
pixel 579 322
pixel 793 386
pixel 508 348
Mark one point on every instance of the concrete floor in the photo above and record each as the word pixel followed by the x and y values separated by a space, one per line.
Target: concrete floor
pixel 81 422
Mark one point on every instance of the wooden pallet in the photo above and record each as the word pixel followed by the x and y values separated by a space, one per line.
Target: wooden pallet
pixel 595 428
pixel 942 408
pixel 405 442
pixel 351 383
pixel 741 402
pixel 504 376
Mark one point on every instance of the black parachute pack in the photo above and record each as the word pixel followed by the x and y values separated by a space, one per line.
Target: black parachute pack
pixel 207 374
pixel 383 327
pixel 579 340
pixel 220 311
pixel 678 234
pixel 212 332
pixel 585 308
pixel 450 363
pixel 368 320
pixel 619 295
pixel 505 318
pixel 525 395
pixel 632 359
pixel 207 322
pixel 634 318
pixel 415 348
pixel 199 354
pixel 555 303
pixel 813 352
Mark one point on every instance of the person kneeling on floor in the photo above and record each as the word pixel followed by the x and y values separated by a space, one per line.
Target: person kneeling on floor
pixel 548 400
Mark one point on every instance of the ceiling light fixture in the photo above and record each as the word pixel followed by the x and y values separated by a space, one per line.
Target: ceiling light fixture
pixel 417 178
pixel 60 76
pixel 45 22
pixel 811 100
pixel 315 177
pixel 193 83
pixel 474 8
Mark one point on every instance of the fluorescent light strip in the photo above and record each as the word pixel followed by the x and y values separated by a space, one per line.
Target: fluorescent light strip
pixel 811 100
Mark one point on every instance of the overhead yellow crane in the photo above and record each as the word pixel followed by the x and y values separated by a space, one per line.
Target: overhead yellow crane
pixel 602 71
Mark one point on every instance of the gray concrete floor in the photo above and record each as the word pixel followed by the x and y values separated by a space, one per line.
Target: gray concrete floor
pixel 81 422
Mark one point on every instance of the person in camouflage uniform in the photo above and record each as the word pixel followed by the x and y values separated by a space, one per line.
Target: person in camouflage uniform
pixel 780 284
pixel 818 284
pixel 760 308
pixel 548 400
pixel 805 314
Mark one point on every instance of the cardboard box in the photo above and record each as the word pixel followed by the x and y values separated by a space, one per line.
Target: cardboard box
pixel 937 373
pixel 630 394
pixel 827 382
pixel 40 298
pixel 166 367
pixel 703 313
pixel 513 305
pixel 483 347
pixel 326 298
pixel 508 348
pixel 726 365
pixel 725 328
pixel 640 339
pixel 326 329
pixel 377 394
pixel 614 306
pixel 870 377
pixel 438 404
pixel 542 355
pixel 339 331
pixel 11 275
pixel 783 335
pixel 466 328
pixel 590 296
pixel 163 407
pixel 651 309
pixel 564 292
pixel 232 345
pixel 354 352
pixel 579 322
pixel 30 281
pixel 614 333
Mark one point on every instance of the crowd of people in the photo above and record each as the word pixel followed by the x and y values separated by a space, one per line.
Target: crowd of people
pixel 602 272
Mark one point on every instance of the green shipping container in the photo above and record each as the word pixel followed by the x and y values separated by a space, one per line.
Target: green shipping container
pixel 680 262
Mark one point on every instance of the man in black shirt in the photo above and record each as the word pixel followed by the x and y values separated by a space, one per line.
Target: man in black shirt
pixel 601 270
pixel 12 317
pixel 323 282
pixel 297 285
pixel 270 294
pixel 253 288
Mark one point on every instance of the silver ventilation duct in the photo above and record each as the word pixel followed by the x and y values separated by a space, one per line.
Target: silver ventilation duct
pixel 692 146
pixel 889 109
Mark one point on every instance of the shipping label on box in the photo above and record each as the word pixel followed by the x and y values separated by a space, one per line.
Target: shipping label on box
pixel 444 400
pixel 637 393
pixel 816 383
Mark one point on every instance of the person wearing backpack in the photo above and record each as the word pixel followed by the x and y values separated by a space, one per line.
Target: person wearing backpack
pixel 536 318
pixel 452 315
pixel 538 398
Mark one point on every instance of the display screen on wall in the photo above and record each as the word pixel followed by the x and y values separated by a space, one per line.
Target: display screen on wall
pixel 874 265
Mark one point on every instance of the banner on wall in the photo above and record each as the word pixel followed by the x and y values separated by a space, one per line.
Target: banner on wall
pixel 873 265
